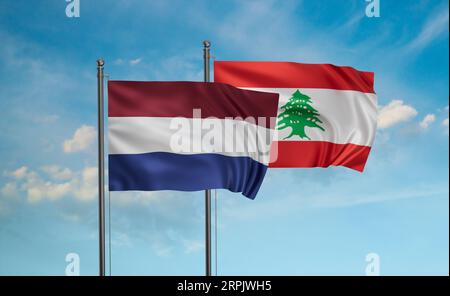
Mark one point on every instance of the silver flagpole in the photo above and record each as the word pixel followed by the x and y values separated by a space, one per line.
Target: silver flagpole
pixel 101 168
pixel 206 58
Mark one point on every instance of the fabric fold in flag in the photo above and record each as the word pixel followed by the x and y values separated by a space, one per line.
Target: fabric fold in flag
pixel 188 136
pixel 327 115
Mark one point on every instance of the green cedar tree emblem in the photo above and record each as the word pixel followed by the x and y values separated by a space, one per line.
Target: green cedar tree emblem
pixel 298 114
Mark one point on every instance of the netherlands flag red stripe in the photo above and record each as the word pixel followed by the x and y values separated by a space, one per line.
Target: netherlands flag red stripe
pixel 290 75
pixel 179 99
pixel 317 154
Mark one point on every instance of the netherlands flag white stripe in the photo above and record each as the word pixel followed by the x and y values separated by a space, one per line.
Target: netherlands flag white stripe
pixel 135 135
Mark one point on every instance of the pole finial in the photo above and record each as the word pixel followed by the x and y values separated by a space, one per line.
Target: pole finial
pixel 100 62
pixel 206 44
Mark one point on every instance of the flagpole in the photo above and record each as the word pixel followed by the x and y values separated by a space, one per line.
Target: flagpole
pixel 206 59
pixel 101 167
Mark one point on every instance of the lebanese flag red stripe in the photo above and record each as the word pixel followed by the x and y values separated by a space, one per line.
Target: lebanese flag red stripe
pixel 302 154
pixel 292 75
pixel 178 99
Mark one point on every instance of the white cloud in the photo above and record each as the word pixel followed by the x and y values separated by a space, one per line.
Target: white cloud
pixel 87 188
pixel 20 172
pixel 81 140
pixel 445 125
pixel 436 25
pixel 427 120
pixel 135 61
pixel 9 189
pixel 393 113
pixel 55 184
pixel 39 190
pixel 445 122
pixel 57 172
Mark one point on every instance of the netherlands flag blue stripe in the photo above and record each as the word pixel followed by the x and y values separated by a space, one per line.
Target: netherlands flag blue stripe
pixel 171 171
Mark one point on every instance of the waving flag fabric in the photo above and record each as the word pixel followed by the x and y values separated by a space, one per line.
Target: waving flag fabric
pixel 327 114
pixel 188 136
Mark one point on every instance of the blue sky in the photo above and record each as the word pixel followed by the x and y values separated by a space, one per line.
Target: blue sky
pixel 304 221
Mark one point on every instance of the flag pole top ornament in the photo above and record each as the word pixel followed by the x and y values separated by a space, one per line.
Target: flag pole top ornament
pixel 206 44
pixel 100 62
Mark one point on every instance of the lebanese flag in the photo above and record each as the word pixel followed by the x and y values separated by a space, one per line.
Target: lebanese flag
pixel 327 115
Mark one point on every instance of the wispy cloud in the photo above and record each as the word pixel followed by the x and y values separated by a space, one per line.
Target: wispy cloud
pixel 435 26
pixel 242 28
pixel 46 119
pixel 118 62
pixel 131 62
pixel 285 205
pixel 164 220
pixel 192 246
pixel 135 61
pixel 352 23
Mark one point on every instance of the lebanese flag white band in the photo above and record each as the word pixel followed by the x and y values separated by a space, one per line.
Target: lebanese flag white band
pixel 342 124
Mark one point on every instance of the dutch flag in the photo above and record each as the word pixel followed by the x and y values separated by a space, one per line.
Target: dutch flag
pixel 188 136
